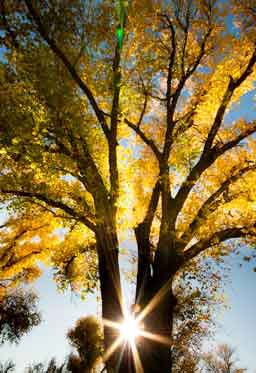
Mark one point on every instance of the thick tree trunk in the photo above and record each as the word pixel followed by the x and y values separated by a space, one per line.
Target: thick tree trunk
pixel 110 285
pixel 107 248
pixel 151 281
pixel 154 286
pixel 155 355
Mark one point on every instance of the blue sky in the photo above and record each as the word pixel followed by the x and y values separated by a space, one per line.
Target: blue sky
pixel 237 323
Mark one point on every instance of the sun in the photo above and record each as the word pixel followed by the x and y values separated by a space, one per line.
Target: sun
pixel 129 329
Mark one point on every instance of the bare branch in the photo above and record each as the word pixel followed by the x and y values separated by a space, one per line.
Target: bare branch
pixel 145 139
pixel 143 111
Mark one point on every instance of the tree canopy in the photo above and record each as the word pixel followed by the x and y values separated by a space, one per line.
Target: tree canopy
pixel 223 360
pixel 114 118
pixel 18 315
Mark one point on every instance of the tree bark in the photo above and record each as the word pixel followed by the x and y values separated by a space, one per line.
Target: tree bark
pixel 155 356
pixel 120 361
pixel 110 286
pixel 154 281
pixel 153 278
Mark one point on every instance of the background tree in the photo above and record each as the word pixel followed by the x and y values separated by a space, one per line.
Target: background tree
pixel 104 131
pixel 198 294
pixel 7 367
pixel 18 315
pixel 87 338
pixel 223 360
pixel 51 367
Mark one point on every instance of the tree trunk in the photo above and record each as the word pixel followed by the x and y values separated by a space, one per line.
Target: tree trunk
pixel 156 356
pixel 154 281
pixel 110 285
pixel 107 249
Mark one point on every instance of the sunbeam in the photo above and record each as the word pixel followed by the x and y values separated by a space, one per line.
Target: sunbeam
pixel 131 329
pixel 154 301
pixel 156 337
pixel 112 349
pixel 136 358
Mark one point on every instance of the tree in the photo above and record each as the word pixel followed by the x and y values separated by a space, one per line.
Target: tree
pixel 52 367
pixel 193 316
pixel 222 361
pixel 18 307
pixel 87 339
pixel 114 118
pixel 18 315
pixel 8 367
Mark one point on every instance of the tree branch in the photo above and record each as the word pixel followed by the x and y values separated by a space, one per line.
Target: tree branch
pixel 152 206
pixel 232 86
pixel 176 94
pixel 217 237
pixel 112 158
pixel 7 26
pixel 8 254
pixel 186 28
pixel 45 208
pixel 143 111
pixel 213 202
pixel 248 70
pixel 205 162
pixel 58 52
pixel 58 204
pixel 142 234
pixel 219 115
pixel 145 139
pixel 22 259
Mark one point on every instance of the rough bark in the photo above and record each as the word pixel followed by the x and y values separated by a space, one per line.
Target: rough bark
pixel 156 356
pixel 110 288
pixel 154 281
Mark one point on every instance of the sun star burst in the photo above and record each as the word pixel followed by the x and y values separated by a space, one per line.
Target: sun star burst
pixel 130 329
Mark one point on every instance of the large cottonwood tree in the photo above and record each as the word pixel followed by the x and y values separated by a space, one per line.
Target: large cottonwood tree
pixel 113 118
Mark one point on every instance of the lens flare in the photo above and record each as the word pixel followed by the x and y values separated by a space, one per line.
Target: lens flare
pixel 129 329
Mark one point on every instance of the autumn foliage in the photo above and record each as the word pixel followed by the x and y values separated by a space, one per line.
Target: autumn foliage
pixel 115 123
